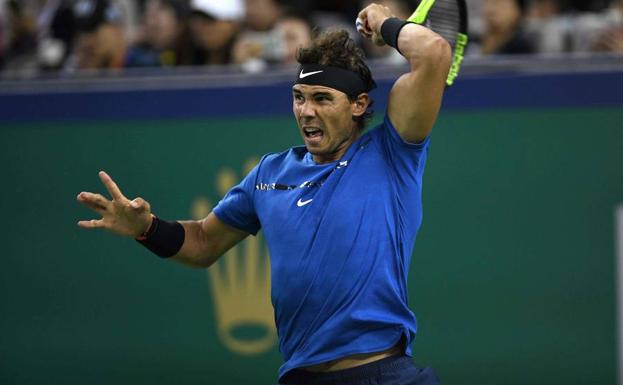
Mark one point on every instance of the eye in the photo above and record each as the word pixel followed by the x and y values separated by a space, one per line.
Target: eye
pixel 298 98
pixel 321 98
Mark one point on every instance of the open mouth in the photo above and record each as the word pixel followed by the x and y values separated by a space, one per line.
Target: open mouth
pixel 312 132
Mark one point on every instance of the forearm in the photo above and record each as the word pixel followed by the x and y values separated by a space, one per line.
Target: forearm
pixel 194 243
pixel 196 251
pixel 181 241
pixel 206 240
pixel 415 98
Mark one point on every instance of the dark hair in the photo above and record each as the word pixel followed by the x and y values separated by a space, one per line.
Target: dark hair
pixel 335 48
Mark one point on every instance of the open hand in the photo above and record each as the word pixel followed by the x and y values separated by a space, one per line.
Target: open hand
pixel 119 215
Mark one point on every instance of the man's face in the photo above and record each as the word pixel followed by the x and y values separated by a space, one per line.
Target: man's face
pixel 325 119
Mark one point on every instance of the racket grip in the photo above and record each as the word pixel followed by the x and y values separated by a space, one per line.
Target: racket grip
pixel 361 28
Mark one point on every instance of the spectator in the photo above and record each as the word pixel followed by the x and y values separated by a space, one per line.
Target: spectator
pixel 504 33
pixel 259 43
pixel 20 52
pixel 474 17
pixel 214 25
pixel 295 32
pixel 543 9
pixel 131 19
pixel 165 38
pixel 550 29
pixel 255 50
pixel 611 38
pixel 56 29
pixel 100 42
pixel 262 15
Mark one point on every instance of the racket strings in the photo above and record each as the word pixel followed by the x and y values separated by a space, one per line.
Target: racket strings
pixel 445 19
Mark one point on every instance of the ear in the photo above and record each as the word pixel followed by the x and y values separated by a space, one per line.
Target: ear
pixel 360 105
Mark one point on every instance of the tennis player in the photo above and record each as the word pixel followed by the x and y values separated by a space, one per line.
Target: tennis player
pixel 339 214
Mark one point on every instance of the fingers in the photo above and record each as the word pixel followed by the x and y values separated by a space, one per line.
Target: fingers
pixel 93 201
pixel 360 24
pixel 369 21
pixel 92 224
pixel 111 186
pixel 119 215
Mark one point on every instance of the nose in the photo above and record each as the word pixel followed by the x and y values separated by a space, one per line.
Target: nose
pixel 306 109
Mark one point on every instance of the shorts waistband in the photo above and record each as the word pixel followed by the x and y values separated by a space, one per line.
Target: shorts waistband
pixel 373 369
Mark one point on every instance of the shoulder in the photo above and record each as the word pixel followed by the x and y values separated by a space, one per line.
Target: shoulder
pixel 384 130
pixel 292 155
pixel 386 137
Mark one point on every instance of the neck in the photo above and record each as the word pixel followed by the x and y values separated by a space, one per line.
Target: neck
pixel 339 151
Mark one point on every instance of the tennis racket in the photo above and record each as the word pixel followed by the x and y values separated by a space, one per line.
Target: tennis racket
pixel 448 18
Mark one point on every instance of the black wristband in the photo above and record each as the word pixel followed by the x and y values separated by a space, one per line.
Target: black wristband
pixel 390 30
pixel 163 238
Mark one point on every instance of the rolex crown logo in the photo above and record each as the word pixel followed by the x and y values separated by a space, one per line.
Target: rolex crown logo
pixel 240 284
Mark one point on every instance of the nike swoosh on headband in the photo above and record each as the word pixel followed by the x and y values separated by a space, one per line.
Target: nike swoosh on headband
pixel 304 75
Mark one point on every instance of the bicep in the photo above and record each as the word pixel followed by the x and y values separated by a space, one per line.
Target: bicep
pixel 415 98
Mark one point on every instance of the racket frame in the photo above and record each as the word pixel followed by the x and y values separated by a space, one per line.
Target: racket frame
pixel 419 17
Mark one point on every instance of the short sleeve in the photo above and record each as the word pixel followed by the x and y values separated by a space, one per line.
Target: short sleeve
pixel 404 157
pixel 237 208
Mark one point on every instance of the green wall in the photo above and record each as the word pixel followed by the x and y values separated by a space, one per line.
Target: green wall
pixel 512 279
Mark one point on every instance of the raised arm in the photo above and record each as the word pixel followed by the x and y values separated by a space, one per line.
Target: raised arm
pixel 415 98
pixel 204 241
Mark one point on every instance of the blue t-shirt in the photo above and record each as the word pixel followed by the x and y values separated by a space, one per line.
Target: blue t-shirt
pixel 340 237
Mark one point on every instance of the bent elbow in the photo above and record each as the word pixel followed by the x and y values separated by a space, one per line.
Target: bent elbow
pixel 438 53
pixel 435 56
pixel 443 49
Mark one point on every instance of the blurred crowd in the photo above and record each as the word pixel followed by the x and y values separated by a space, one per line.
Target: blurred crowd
pixel 66 36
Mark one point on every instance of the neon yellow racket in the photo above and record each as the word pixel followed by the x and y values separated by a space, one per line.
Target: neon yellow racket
pixel 448 18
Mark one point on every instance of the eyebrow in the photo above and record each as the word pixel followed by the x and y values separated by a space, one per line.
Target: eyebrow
pixel 327 94
pixel 314 94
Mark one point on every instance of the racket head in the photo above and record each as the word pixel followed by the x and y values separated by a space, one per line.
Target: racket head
pixel 448 18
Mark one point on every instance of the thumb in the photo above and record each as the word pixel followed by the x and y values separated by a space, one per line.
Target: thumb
pixel 139 204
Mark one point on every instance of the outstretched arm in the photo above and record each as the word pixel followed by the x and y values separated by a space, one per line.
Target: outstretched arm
pixel 415 98
pixel 204 240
